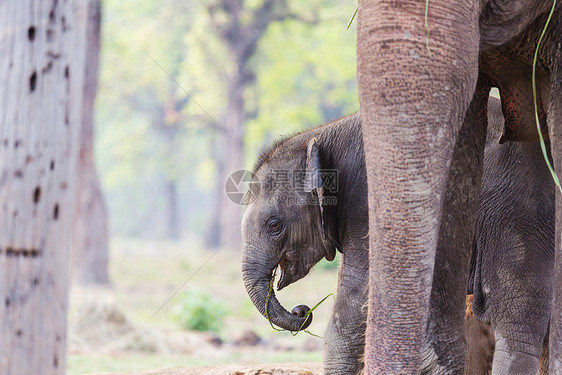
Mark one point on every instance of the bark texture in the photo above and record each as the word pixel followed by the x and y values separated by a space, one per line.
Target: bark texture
pixel 90 243
pixel 42 59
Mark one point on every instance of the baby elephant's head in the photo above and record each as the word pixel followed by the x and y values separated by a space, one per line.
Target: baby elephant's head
pixel 290 223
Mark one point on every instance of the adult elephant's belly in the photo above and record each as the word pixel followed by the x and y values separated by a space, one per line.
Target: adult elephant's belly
pixel 513 77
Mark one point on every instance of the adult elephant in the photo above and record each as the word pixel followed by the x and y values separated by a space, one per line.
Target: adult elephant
pixel 423 104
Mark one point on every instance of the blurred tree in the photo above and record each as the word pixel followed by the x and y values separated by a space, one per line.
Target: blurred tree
pixel 164 101
pixel 42 55
pixel 141 77
pixel 240 25
pixel 90 256
pixel 305 75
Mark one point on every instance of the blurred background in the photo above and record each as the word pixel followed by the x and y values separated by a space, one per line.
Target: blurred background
pixel 189 92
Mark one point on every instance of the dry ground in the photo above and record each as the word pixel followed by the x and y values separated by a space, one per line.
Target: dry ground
pixel 269 369
pixel 113 330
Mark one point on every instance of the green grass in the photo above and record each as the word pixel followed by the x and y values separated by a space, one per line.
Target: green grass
pixel 146 273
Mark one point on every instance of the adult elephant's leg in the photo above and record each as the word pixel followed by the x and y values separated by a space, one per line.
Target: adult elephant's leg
pixel 555 132
pixel 444 344
pixel 520 325
pixel 413 103
pixel 344 341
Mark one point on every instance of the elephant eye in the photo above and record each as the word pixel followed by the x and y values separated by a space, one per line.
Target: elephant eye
pixel 274 226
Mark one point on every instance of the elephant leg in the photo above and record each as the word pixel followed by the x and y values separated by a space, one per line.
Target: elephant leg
pixel 519 308
pixel 506 359
pixel 444 344
pixel 520 332
pixel 413 103
pixel 555 132
pixel 344 341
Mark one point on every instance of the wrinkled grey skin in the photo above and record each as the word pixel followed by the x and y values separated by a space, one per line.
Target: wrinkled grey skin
pixel 306 238
pixel 305 235
pixel 415 103
pixel 513 255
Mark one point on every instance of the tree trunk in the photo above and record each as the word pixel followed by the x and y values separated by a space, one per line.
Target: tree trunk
pixel 241 32
pixel 90 243
pixel 90 255
pixel 42 60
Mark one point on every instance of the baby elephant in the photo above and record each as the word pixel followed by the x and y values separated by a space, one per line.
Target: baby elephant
pixel 311 201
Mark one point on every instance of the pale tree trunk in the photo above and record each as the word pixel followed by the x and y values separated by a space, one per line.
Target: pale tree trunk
pixel 42 59
pixel 90 243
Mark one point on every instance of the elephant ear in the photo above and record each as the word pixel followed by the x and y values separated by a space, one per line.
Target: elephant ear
pixel 313 183
pixel 313 177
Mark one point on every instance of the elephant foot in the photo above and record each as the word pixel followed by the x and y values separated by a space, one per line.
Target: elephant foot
pixel 508 361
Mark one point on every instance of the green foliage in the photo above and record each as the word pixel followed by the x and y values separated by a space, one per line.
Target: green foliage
pixel 306 75
pixel 199 311
pixel 163 55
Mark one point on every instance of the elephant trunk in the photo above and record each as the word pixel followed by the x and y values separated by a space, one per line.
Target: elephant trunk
pixel 413 95
pixel 258 282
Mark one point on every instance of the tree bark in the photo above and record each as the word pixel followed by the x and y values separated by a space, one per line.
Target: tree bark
pixel 42 60
pixel 90 254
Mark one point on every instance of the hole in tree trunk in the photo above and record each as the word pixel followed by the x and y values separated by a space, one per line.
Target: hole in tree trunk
pixel 33 81
pixel 36 195
pixel 31 33
pixel 56 211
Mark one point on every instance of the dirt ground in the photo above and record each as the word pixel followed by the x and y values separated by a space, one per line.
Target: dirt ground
pixel 110 331
pixel 103 325
pixel 102 328
pixel 263 369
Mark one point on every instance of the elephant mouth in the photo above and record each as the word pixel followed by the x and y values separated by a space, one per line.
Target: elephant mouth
pixel 284 279
pixel 290 271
